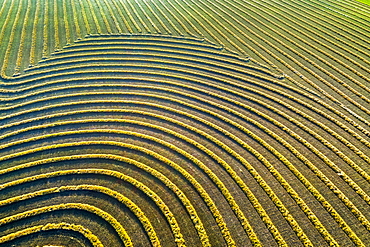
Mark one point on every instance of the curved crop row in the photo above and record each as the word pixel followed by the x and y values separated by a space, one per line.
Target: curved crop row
pixel 190 178
pixel 163 207
pixel 187 204
pixel 117 226
pixel 212 123
pixel 121 198
pixel 52 226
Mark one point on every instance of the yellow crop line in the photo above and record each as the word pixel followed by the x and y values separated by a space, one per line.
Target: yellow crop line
pixel 157 53
pixel 262 46
pixel 337 41
pixel 6 19
pixel 221 24
pixel 123 69
pixel 152 40
pixel 91 8
pixel 54 226
pixel 102 14
pixel 280 92
pixel 308 130
pixel 357 7
pixel 157 58
pixel 219 32
pixel 3 28
pixel 32 61
pixel 173 187
pixel 276 100
pixel 150 193
pixel 313 20
pixel 323 60
pixel 46 29
pixel 293 150
pixel 183 17
pixel 190 13
pixel 130 17
pixel 168 19
pixel 128 2
pixel 336 21
pixel 11 38
pixel 147 5
pixel 333 212
pixel 240 31
pixel 152 37
pixel 234 206
pixel 273 121
pixel 228 169
pixel 80 206
pixel 272 54
pixel 147 16
pixel 348 144
pixel 345 128
pixel 2 9
pixel 357 189
pixel 57 46
pixel 264 216
pixel 116 23
pixel 75 20
pixel 364 109
pixel 84 17
pixel 122 17
pixel 304 115
pixel 100 189
pixel 175 46
pixel 318 34
pixel 202 192
pixel 183 52
pixel 22 40
pixel 286 129
pixel 66 23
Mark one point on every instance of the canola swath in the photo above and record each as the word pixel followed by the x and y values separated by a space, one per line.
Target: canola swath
pixel 184 123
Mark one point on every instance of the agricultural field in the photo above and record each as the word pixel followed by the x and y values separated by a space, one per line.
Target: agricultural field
pixel 184 123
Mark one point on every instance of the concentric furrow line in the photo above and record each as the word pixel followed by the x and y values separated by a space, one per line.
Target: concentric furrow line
pixel 316 110
pixel 139 123
pixel 324 141
pixel 187 204
pixel 314 134
pixel 94 240
pixel 163 207
pixel 121 198
pixel 119 228
pixel 190 178
pixel 220 161
pixel 187 123
pixel 81 60
pixel 308 130
pixel 344 198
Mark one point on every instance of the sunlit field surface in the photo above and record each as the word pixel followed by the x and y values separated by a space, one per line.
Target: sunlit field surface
pixel 184 123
